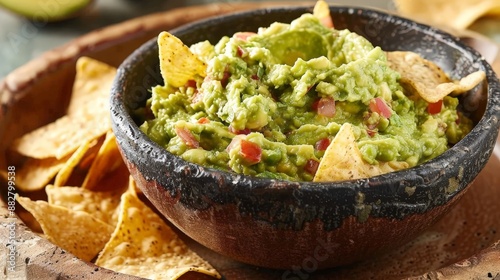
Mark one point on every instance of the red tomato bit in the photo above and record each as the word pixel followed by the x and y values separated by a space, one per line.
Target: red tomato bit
pixel 240 51
pixel 187 137
pixel 378 105
pixel 243 35
pixel 322 144
pixel 244 131
pixel 371 132
pixel 251 152
pixel 435 108
pixel 225 78
pixel 203 120
pixel 311 166
pixel 191 83
pixel 325 106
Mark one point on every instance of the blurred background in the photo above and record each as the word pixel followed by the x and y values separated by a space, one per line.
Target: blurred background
pixel 22 39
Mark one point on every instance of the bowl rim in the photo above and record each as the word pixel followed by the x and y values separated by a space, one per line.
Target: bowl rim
pixel 435 165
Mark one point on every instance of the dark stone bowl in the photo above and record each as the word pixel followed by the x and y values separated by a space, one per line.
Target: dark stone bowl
pixel 306 226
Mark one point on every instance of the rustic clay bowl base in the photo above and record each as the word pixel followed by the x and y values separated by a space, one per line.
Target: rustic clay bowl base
pixel 463 243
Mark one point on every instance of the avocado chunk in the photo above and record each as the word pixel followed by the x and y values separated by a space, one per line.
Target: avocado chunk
pixel 49 11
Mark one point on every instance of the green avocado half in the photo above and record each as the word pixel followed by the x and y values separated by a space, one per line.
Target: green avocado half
pixel 46 10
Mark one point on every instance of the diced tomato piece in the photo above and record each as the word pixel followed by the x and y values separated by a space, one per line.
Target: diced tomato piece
pixel 378 105
pixel 239 131
pixel 203 120
pixel 435 108
pixel 191 83
pixel 311 166
pixel 255 77
pixel 148 113
pixel 187 137
pixel 325 106
pixel 241 52
pixel 251 152
pixel 314 105
pixel 225 78
pixel 322 144
pixel 371 132
pixel 243 35
pixel 372 126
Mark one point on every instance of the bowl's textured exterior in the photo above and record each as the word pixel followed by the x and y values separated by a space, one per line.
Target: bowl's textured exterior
pixel 281 224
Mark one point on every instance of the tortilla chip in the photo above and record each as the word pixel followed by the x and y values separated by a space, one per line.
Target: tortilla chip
pixel 322 12
pixel 458 14
pixel 91 88
pixel 107 160
pixel 36 173
pixel 343 160
pixel 66 170
pixel 178 64
pixel 132 186
pixel 74 231
pixel 115 180
pixel 424 78
pixel 143 245
pixel 60 138
pixel 100 205
pixel 87 119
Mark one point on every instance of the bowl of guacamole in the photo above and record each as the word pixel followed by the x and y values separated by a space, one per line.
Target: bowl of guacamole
pixel 279 135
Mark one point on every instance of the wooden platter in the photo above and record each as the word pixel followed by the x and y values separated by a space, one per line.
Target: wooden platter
pixel 465 243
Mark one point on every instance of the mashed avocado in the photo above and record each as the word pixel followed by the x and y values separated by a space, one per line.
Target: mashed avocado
pixel 272 101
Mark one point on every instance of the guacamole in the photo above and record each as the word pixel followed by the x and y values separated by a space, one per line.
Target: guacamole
pixel 272 101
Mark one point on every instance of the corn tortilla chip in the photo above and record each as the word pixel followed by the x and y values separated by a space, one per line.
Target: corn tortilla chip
pixel 458 14
pixel 80 171
pixel 100 205
pixel 60 138
pixel 66 170
pixel 74 231
pixel 107 160
pixel 115 180
pixel 143 245
pixel 178 64
pixel 424 78
pixel 36 173
pixel 86 119
pixel 322 12
pixel 132 186
pixel 91 87
pixel 343 160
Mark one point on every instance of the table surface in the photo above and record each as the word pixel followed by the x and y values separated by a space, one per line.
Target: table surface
pixel 21 40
